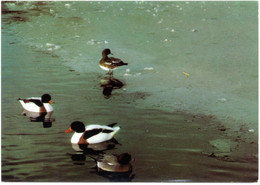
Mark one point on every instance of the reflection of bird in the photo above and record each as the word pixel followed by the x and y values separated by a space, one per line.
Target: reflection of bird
pixel 78 158
pixel 38 116
pixel 114 163
pixel 44 117
pixel 109 84
pixel 110 63
pixel 91 134
pixel 37 104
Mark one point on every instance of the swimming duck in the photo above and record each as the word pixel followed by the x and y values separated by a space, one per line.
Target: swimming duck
pixel 37 104
pixel 114 163
pixel 91 134
pixel 110 63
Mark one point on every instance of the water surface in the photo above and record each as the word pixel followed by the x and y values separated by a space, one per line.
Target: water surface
pixel 198 128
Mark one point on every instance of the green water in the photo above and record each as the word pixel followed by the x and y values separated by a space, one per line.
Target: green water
pixel 170 123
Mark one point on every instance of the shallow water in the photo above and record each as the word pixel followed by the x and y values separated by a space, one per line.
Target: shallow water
pixel 172 124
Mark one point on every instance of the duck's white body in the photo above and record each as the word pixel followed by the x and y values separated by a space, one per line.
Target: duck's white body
pixel 32 107
pixel 97 147
pixel 98 138
pixel 106 68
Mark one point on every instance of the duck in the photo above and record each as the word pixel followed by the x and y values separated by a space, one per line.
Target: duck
pixel 91 134
pixel 112 163
pixel 37 104
pixel 110 63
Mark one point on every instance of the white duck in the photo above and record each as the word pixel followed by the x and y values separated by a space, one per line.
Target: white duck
pixel 37 104
pixel 91 134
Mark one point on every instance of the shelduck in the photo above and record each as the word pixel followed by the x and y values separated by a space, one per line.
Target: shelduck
pixel 37 104
pixel 91 134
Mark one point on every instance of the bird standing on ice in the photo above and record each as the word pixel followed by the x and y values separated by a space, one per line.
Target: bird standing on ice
pixel 110 63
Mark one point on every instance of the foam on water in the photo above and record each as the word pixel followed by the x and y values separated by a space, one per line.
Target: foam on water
pixel 215 43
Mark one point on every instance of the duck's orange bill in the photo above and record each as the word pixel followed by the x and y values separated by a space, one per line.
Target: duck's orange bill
pixel 67 131
pixel 51 102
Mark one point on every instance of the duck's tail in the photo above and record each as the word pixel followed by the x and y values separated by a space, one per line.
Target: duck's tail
pixel 112 124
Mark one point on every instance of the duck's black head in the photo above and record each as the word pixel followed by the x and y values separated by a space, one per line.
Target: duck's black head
pixel 46 98
pixel 77 126
pixel 124 158
pixel 106 52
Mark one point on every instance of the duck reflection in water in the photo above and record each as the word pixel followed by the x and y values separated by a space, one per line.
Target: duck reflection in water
pixel 117 168
pixel 44 117
pixel 110 83
pixel 78 158
pixel 82 150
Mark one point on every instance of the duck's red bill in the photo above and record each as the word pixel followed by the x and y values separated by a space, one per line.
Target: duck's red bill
pixel 51 102
pixel 67 131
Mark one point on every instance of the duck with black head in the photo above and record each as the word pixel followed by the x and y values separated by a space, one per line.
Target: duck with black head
pixel 91 134
pixel 37 104
pixel 110 63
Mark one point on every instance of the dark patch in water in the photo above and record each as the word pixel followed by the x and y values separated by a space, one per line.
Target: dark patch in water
pixel 23 174
pixel 15 19
pixel 214 18
pixel 9 170
pixel 10 178
pixel 133 97
pixel 10 145
pixel 16 16
pixel 76 19
pixel 5 11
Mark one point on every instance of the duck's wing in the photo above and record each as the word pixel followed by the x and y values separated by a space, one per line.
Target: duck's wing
pixel 36 101
pixel 90 133
pixel 107 131
pixel 117 61
pixel 109 163
pixel 109 159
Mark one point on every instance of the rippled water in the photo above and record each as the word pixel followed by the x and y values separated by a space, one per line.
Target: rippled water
pixel 198 128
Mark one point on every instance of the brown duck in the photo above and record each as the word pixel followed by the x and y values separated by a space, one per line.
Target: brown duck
pixel 110 63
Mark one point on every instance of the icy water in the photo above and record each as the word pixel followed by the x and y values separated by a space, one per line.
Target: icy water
pixel 196 126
